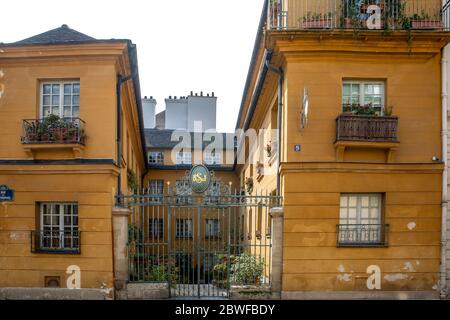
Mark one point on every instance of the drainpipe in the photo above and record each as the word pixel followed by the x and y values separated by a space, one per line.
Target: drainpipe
pixel 120 81
pixel 279 72
pixel 443 269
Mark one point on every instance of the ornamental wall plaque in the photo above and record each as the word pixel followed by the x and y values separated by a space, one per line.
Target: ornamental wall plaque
pixel 200 178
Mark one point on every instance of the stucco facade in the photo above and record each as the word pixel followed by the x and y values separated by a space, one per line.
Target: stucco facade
pixel 82 173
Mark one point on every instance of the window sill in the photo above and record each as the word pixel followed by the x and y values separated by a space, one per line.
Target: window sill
pixel 57 251
pixel 362 245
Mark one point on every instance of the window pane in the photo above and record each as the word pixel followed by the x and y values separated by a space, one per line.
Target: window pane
pixel 45 111
pixel 67 100
pixel 47 89
pixel 67 113
pixel 46 100
pixel 352 201
pixel 355 89
pixel 346 89
pixel 76 88
pixel 55 100
pixel 67 88
pixel 55 89
pixel 76 100
pixel 75 112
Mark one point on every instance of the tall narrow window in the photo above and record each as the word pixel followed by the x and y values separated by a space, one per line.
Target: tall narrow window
pixel 184 228
pixel 60 98
pixel 156 228
pixel 360 219
pixel 58 227
pixel 212 228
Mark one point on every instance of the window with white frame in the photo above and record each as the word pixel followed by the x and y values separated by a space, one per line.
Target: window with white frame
pixel 356 94
pixel 156 158
pixel 184 158
pixel 156 186
pixel 58 226
pixel 183 228
pixel 213 158
pixel 361 218
pixel 156 228
pixel 212 228
pixel 61 98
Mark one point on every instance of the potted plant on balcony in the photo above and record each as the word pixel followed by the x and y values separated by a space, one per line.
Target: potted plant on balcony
pixel 359 110
pixel 424 21
pixel 317 20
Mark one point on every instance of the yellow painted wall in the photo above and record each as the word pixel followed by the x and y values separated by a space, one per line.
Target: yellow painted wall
pixel 91 186
pixel 313 179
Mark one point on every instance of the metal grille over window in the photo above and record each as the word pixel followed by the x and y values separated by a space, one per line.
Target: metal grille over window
pixel 361 221
pixel 58 230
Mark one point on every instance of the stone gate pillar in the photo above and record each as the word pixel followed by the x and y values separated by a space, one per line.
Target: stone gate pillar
pixel 120 217
pixel 277 249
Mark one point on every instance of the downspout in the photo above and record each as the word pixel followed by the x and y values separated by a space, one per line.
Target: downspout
pixel 120 81
pixel 279 72
pixel 443 269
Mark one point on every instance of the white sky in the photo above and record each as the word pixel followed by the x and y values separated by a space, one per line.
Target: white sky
pixel 183 45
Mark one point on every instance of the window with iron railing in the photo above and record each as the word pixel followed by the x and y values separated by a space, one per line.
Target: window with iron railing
pixel 361 220
pixel 58 230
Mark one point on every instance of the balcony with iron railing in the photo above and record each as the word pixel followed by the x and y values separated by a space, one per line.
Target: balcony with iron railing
pixel 420 15
pixel 368 132
pixel 362 235
pixel 53 133
pixel 350 127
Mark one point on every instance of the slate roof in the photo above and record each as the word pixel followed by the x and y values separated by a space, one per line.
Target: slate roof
pixel 162 139
pixel 59 35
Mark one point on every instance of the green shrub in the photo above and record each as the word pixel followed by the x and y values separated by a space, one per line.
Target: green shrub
pixel 247 270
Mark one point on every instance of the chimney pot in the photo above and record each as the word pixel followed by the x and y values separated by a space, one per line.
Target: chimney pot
pixel 201 93
pixel 213 94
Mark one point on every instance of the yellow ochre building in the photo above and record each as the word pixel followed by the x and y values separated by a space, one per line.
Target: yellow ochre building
pixel 334 185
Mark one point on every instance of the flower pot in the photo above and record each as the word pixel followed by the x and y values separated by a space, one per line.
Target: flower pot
pixel 317 23
pixel 427 24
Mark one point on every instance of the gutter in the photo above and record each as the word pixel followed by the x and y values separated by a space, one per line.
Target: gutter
pixel 280 73
pixel 132 54
pixel 443 267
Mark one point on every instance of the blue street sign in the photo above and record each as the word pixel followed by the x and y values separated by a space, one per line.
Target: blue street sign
pixel 6 194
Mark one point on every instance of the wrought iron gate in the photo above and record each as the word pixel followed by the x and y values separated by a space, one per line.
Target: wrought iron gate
pixel 200 244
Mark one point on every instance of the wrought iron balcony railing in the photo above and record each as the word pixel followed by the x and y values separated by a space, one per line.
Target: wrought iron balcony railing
pixel 362 235
pixel 366 128
pixel 53 131
pixel 58 241
pixel 359 14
